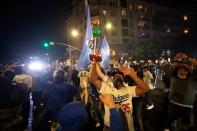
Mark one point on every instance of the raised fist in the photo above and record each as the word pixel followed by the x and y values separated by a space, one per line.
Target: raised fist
pixel 95 58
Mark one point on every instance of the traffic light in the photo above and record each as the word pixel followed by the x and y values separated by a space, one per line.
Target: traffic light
pixel 46 45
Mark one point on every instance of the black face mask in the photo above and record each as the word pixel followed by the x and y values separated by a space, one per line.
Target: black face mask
pixel 118 83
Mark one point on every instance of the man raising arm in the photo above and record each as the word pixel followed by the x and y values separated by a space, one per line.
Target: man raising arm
pixel 122 94
pixel 142 87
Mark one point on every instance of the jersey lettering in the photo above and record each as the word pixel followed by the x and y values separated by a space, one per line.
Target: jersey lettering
pixel 120 99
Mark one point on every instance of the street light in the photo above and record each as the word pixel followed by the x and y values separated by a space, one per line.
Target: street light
pixel 70 49
pixel 74 33
pixel 64 44
pixel 108 26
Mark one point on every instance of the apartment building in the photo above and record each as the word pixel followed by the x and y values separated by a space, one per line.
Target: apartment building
pixel 128 23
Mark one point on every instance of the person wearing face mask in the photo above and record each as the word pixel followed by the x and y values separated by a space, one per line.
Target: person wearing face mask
pixel 121 92
pixel 182 92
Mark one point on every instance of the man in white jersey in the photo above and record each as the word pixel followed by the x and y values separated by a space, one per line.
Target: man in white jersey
pixel 84 84
pixel 121 92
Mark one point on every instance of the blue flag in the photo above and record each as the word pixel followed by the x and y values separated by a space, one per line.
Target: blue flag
pixel 105 53
pixel 88 44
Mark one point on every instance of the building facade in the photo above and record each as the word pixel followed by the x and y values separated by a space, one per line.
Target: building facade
pixel 128 24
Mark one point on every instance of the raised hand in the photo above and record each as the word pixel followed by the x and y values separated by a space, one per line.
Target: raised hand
pixel 95 57
pixel 126 71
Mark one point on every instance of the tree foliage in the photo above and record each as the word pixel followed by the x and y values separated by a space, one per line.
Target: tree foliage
pixel 149 49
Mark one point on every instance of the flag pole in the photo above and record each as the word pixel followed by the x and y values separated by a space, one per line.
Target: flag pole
pixel 95 45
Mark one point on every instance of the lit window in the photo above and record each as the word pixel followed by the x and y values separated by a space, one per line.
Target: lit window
pixel 185 17
pixel 139 7
pixel 113 53
pixel 168 30
pixel 141 24
pixel 141 34
pixel 145 9
pixel 123 12
pixel 104 12
pixel 130 7
pixel 186 30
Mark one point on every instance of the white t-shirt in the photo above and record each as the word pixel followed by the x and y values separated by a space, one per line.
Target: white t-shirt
pixel 24 79
pixel 147 79
pixel 122 98
pixel 84 80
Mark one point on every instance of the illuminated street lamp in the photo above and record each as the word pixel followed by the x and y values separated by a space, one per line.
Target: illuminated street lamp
pixel 74 33
pixel 108 26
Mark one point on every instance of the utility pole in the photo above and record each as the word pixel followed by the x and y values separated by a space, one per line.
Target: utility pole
pixel 71 48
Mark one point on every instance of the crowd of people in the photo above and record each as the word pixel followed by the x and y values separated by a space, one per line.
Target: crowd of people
pixel 125 97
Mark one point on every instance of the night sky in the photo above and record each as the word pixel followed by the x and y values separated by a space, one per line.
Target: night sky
pixel 25 25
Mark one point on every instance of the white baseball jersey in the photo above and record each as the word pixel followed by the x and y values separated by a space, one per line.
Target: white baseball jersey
pixel 84 80
pixel 122 99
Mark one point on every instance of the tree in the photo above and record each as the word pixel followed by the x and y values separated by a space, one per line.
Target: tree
pixel 150 49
